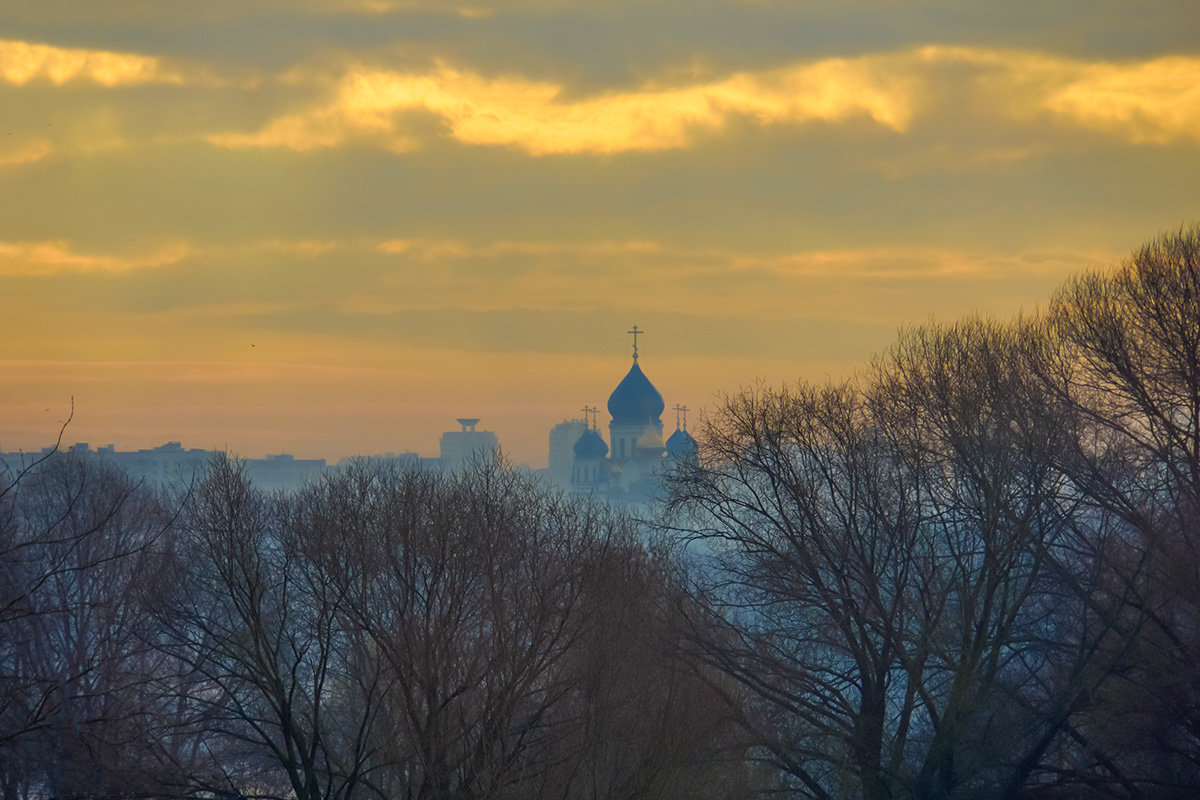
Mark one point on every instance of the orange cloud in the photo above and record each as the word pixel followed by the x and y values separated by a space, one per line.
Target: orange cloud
pixel 27 153
pixel 57 257
pixel 863 283
pixel 22 62
pixel 1155 101
pixel 428 250
pixel 532 116
pixel 307 248
pixel 53 258
pixel 1152 102
pixel 379 7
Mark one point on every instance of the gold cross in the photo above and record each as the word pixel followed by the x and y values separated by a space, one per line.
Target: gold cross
pixel 635 333
pixel 591 416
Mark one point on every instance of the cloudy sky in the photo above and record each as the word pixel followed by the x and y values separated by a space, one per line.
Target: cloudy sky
pixel 331 226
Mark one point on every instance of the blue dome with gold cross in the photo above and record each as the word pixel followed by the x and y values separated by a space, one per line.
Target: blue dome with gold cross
pixel 635 400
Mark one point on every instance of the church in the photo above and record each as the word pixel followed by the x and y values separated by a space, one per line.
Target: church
pixel 630 470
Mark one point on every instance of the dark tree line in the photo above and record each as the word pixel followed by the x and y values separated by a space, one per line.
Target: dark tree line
pixel 380 633
pixel 974 570
pixel 78 711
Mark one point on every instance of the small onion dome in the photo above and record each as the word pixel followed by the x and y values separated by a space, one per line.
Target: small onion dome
pixel 635 400
pixel 680 444
pixel 650 441
pixel 590 445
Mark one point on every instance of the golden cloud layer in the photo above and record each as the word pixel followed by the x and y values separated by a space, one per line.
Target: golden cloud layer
pixel 860 283
pixel 27 152
pixel 53 258
pixel 58 257
pixel 378 7
pixel 530 115
pixel 430 250
pixel 525 273
pixel 22 62
pixel 857 262
pixel 1155 101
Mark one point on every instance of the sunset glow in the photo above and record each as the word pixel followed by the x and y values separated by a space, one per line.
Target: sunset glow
pixel 331 227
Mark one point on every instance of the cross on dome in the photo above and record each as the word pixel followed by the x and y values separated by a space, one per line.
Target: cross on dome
pixel 591 416
pixel 635 333
pixel 681 411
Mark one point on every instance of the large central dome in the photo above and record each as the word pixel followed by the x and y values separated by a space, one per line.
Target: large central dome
pixel 635 400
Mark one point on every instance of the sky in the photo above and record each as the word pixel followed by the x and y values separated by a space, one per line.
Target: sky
pixel 330 227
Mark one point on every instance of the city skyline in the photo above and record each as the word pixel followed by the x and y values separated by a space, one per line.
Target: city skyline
pixel 66 443
pixel 330 227
pixel 454 447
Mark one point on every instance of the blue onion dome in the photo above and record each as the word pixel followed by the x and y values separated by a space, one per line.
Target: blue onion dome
pixel 590 445
pixel 635 400
pixel 680 444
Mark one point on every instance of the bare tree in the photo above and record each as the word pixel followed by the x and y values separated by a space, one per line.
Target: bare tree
pixel 885 566
pixel 642 720
pixel 1129 369
pixel 258 639
pixel 1004 654
pixel 808 526
pixel 467 589
pixel 79 714
pixel 399 633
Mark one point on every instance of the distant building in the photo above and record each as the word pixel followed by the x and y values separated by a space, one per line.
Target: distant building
pixel 407 460
pixel 168 463
pixel 562 456
pixel 283 471
pixel 461 447
pixel 171 464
